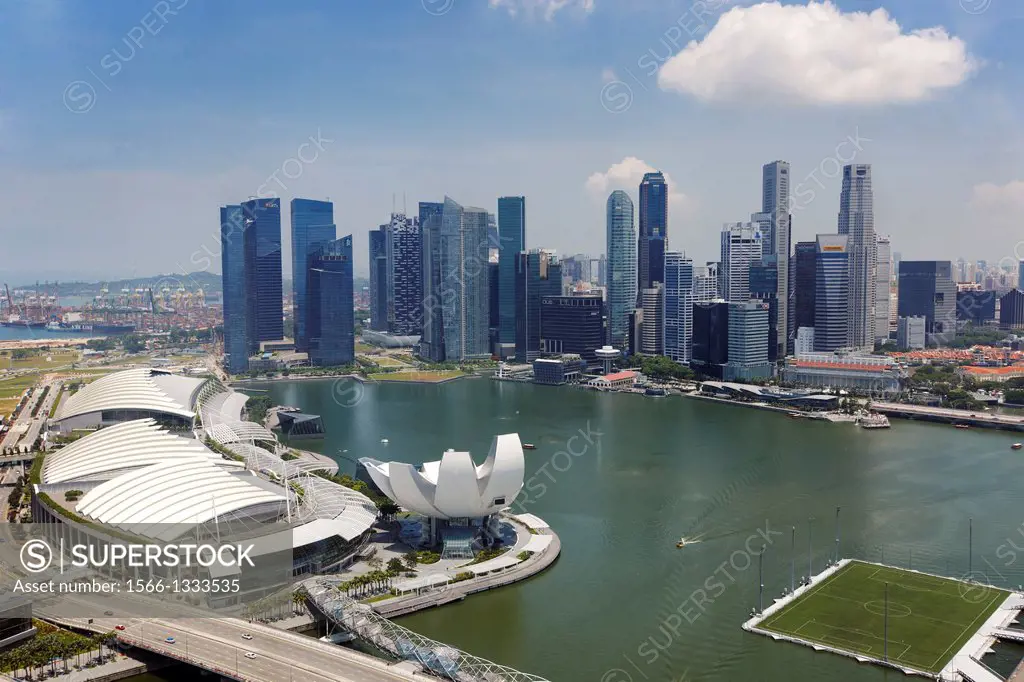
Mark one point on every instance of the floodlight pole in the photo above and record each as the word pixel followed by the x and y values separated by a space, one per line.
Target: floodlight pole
pixel 810 570
pixel 792 561
pixel 837 534
pixel 970 546
pixel 886 624
pixel 760 581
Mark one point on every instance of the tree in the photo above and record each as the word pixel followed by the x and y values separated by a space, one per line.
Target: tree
pixel 395 566
pixel 410 560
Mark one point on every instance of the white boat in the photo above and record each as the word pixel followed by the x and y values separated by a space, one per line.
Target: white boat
pixel 338 638
pixel 874 421
pixel 384 440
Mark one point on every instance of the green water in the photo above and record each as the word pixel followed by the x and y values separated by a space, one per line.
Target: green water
pixel 667 467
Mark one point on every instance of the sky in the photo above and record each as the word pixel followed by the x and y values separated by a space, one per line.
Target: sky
pixel 124 126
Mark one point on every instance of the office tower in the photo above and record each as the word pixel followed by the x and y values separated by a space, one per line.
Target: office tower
pixel 602 271
pixel 379 268
pixel 710 338
pixel 679 281
pixel 926 289
pixel 595 267
pixel 805 258
pixel 331 323
pixel 857 221
pixel 831 293
pixel 312 224
pixel 910 333
pixel 238 340
pixel 748 342
pixel 622 277
pixel 883 286
pixel 961 270
pixel 705 283
pixel 404 275
pixel 431 345
pixel 636 327
pixel 653 231
pixel 741 246
pixel 512 234
pixel 764 287
pixel 572 324
pixel 775 204
pixel 465 290
pixel 263 267
pixel 538 274
pixel 976 306
pixel 493 274
pixel 652 336
pixel 1020 274
pixel 1011 310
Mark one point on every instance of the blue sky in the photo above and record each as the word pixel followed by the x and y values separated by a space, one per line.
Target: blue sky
pixel 125 125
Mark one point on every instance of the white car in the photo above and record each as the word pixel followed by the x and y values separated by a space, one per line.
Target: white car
pixel 250 655
pixel 246 635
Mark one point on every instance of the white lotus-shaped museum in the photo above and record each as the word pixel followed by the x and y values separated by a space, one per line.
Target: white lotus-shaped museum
pixel 455 487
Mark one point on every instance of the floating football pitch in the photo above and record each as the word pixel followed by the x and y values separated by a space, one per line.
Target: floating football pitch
pixel 929 618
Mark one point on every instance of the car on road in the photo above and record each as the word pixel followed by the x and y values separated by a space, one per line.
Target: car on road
pixel 169 640
pixel 119 627
pixel 250 655
pixel 246 635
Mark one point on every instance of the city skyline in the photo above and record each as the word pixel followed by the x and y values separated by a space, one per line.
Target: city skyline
pixel 960 102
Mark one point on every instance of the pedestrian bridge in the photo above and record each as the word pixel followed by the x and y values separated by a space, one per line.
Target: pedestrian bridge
pixel 439 658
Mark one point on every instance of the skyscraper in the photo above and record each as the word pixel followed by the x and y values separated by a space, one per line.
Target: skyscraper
pixel 705 283
pixel 748 341
pixel 710 338
pixel 512 236
pixel 538 274
pixel 653 233
pixel 883 284
pixel 775 203
pixel 831 297
pixel 331 322
pixel 622 264
pixel 926 289
pixel 237 339
pixel 379 267
pixel 431 345
pixel 464 285
pixel 741 247
pixel 263 268
pixel 572 324
pixel 404 275
pixel 652 336
pixel 312 224
pixel 764 287
pixel 805 259
pixel 679 281
pixel 857 220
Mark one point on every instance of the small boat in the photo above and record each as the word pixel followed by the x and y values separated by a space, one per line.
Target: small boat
pixel 962 426
pixel 874 421
pixel 1017 446
pixel 384 440
pixel 681 543
pixel 529 446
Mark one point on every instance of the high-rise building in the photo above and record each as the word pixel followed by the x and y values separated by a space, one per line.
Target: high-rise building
pixel 465 289
pixel 653 230
pixel 493 278
pixel 705 282
pixel 331 323
pixel 910 333
pixel 573 325
pixel 976 306
pixel 622 264
pixel 431 345
pixel 538 274
pixel 405 275
pixel 710 338
pixel 652 335
pixel 748 341
pixel 679 281
pixel 741 247
pixel 602 271
pixel 238 338
pixel 883 285
pixel 263 267
pixel 926 289
pixel 1020 274
pixel 379 270
pixel 775 203
pixel 831 295
pixel 805 258
pixel 312 226
pixel 1011 310
pixel 764 287
pixel 857 221
pixel 512 235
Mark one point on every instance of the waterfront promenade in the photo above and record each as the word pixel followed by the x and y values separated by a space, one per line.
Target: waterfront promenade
pixel 950 416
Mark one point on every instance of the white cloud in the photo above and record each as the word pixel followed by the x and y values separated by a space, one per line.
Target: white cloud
pixel 626 175
pixel 546 7
pixel 816 54
pixel 1005 199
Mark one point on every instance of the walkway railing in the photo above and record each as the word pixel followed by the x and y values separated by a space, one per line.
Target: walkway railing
pixel 440 659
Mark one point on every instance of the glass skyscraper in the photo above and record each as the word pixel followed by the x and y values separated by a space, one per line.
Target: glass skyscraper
pixel 831 297
pixel 432 317
pixel 538 274
pixel 926 289
pixel 678 306
pixel 857 220
pixel 379 267
pixel 264 293
pixel 775 203
pixel 653 231
pixel 404 275
pixel 312 227
pixel 805 258
pixel 237 337
pixel 622 264
pixel 331 324
pixel 512 237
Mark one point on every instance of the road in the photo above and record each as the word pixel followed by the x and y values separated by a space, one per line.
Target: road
pixel 966 416
pixel 25 430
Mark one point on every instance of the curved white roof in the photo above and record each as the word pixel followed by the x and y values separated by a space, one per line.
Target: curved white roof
pixel 135 389
pixel 454 487
pixel 239 432
pixel 191 491
pixel 112 451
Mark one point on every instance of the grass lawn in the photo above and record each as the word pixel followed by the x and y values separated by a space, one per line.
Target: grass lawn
pixel 385 361
pixel 424 377
pixel 11 390
pixel 365 348
pixel 930 618
pixel 41 360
